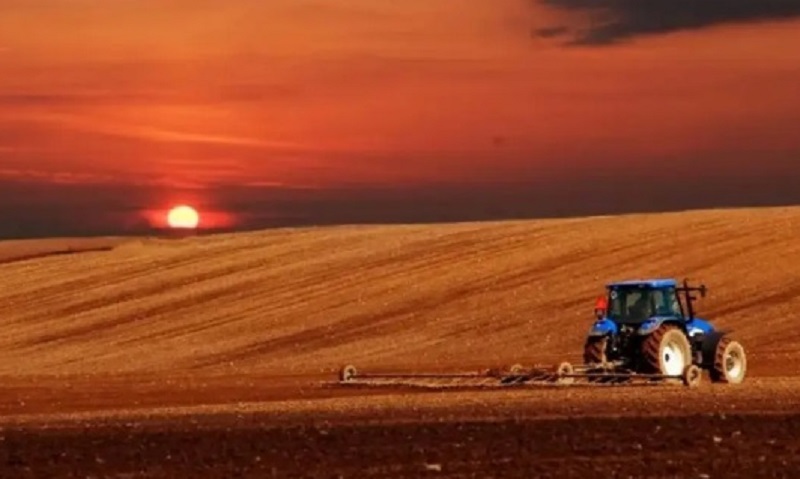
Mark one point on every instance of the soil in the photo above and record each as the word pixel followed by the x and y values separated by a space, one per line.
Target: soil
pixel 312 427
pixel 218 356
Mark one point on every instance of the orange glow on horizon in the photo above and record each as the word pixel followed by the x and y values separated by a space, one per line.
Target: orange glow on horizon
pixel 209 218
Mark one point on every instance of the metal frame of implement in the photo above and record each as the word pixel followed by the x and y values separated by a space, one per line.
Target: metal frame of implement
pixel 517 375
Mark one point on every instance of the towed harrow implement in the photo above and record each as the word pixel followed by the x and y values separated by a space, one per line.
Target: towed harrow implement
pixel 518 376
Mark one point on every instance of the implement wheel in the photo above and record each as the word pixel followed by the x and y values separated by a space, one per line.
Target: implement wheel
pixel 730 362
pixel 564 369
pixel 692 376
pixel 347 373
pixel 667 351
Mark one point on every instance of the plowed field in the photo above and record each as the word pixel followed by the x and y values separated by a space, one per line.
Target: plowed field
pixel 211 355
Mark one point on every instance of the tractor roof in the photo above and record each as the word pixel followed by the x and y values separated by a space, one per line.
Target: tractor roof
pixel 651 283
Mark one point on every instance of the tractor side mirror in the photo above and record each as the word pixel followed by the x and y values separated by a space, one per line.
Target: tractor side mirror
pixel 703 291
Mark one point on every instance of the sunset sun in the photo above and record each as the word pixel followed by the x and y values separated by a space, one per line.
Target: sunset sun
pixel 183 217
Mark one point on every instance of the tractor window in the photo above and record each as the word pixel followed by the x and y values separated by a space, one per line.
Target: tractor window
pixel 631 304
pixel 666 302
pixel 637 304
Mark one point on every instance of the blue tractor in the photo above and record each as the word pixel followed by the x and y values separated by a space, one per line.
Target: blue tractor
pixel 650 327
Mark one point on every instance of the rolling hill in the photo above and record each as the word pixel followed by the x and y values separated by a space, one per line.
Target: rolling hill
pixel 456 296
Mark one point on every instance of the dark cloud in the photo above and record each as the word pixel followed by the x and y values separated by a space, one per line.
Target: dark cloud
pixel 612 21
pixel 548 32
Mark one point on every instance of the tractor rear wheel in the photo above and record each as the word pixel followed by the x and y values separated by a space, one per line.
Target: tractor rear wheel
pixel 730 362
pixel 594 351
pixel 667 351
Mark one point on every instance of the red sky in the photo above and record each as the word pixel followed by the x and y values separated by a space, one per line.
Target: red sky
pixel 277 103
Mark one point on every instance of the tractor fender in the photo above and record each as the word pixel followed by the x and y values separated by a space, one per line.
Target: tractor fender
pixel 649 326
pixel 698 326
pixel 652 324
pixel 603 327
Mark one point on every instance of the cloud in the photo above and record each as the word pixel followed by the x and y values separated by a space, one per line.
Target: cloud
pixel 114 95
pixel 155 134
pixel 57 177
pixel 612 21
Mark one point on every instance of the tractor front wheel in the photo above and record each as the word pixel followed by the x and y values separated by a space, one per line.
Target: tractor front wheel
pixel 667 351
pixel 730 362
pixel 594 351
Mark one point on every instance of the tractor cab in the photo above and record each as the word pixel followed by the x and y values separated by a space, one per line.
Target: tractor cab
pixel 637 301
pixel 637 308
pixel 634 302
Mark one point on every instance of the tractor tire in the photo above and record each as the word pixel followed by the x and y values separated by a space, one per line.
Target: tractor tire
pixel 730 362
pixel 594 351
pixel 667 351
